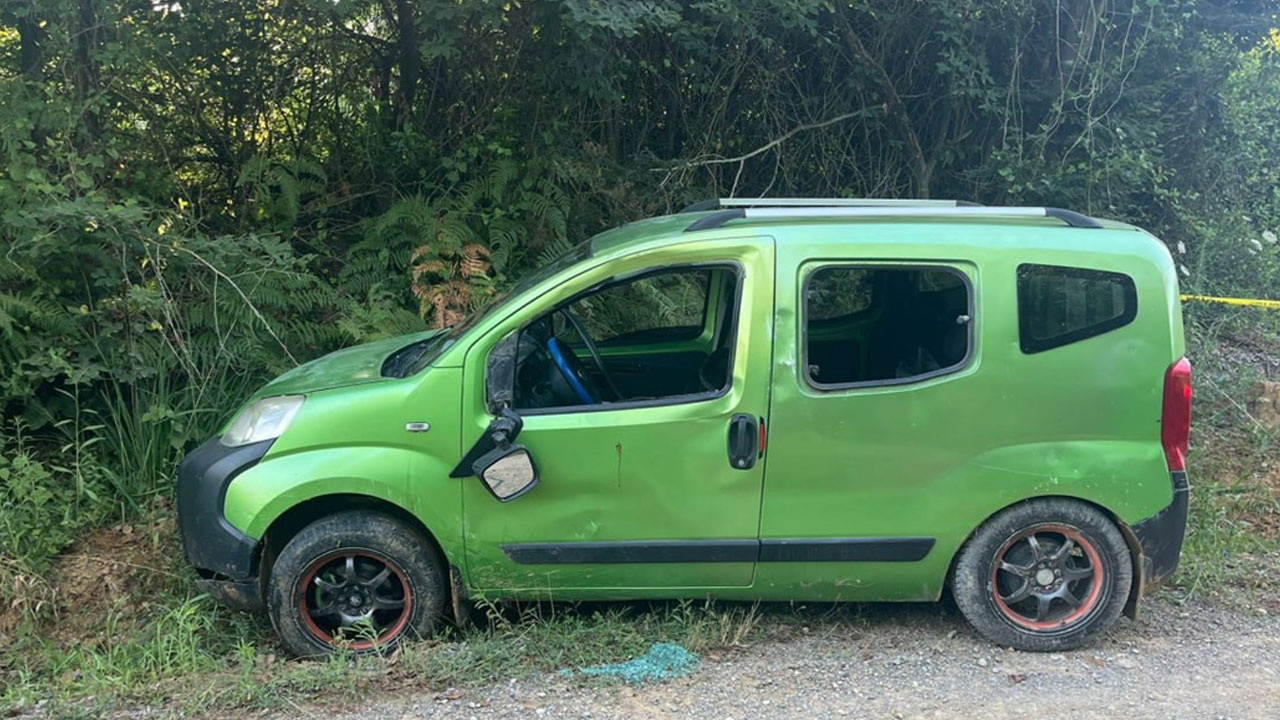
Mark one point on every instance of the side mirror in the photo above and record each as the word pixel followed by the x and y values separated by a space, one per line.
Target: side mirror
pixel 500 373
pixel 506 469
pixel 508 472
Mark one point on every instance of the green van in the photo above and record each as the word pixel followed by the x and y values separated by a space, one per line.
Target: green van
pixel 819 400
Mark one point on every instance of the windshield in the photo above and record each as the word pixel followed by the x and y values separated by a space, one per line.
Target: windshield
pixel 413 358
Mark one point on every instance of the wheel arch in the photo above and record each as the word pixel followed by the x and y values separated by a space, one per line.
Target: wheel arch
pixel 1130 539
pixel 290 522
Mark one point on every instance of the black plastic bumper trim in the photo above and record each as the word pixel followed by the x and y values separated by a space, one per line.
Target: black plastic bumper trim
pixel 211 543
pixel 243 595
pixel 1160 536
pixel 722 551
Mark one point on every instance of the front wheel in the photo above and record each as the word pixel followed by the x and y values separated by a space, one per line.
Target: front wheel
pixel 1045 575
pixel 357 580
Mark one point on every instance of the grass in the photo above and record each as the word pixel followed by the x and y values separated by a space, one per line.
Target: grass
pixel 1231 543
pixel 191 657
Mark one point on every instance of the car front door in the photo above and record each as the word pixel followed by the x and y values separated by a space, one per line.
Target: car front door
pixel 637 491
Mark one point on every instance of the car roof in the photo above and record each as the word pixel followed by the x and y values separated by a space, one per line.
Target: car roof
pixel 673 227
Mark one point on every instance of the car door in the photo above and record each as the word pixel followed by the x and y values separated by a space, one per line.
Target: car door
pixel 873 404
pixel 634 495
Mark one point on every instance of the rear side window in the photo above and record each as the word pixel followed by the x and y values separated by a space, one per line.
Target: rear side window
pixel 1061 305
pixel 875 325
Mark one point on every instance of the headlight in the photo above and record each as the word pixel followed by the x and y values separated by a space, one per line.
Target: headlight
pixel 263 420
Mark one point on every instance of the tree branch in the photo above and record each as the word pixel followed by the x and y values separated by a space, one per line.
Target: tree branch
pixel 742 159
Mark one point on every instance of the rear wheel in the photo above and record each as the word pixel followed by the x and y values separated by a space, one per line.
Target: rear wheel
pixel 357 580
pixel 1045 575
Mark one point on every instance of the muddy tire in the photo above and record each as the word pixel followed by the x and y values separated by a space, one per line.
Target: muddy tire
pixel 1045 575
pixel 357 580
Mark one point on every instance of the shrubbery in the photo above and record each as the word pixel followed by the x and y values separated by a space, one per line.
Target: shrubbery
pixel 197 197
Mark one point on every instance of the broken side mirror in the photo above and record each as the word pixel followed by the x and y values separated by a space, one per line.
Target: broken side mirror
pixel 506 469
pixel 500 374
pixel 508 472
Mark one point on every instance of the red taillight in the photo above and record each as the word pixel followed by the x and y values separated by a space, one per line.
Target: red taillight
pixel 1175 416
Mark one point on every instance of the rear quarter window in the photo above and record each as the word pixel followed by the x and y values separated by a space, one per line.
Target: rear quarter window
pixel 1062 305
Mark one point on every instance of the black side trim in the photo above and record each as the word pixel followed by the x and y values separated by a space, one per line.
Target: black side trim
pixel 638 551
pixel 1161 535
pixel 908 549
pixel 717 219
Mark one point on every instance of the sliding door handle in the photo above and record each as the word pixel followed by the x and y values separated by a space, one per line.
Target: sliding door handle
pixel 743 441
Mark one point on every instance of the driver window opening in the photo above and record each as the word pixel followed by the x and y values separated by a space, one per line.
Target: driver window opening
pixel 653 337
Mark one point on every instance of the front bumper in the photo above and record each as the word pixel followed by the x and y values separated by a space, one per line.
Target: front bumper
pixel 225 558
pixel 1160 536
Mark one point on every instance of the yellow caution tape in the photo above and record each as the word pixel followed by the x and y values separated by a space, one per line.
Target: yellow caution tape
pixel 1247 302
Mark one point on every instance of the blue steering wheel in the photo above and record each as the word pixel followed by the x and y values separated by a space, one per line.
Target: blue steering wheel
pixel 559 357
pixel 567 362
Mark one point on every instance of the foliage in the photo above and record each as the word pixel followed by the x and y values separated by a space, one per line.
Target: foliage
pixel 39 513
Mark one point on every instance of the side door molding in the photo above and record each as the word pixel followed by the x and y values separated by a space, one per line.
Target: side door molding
pixel 779 550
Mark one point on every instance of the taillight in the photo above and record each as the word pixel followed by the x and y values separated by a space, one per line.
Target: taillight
pixel 1175 416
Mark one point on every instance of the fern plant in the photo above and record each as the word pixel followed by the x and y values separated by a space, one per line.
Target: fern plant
pixel 467 244
pixel 277 190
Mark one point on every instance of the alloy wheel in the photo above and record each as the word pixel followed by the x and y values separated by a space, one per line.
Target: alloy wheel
pixel 1047 577
pixel 357 598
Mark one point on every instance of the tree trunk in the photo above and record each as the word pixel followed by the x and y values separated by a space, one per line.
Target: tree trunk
pixel 895 110
pixel 86 62
pixel 30 36
pixel 408 58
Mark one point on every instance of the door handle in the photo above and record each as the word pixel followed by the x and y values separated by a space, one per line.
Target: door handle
pixel 743 441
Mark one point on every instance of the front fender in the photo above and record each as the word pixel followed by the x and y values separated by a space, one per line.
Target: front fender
pixel 261 494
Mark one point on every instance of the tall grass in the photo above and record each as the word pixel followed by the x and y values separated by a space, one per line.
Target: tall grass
pixel 190 656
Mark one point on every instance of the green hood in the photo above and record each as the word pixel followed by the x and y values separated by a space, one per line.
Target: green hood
pixel 348 366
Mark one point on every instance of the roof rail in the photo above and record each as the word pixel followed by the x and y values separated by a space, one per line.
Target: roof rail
pixel 719 218
pixel 822 202
pixel 840 202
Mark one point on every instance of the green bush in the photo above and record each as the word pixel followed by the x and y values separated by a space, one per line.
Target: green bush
pixel 42 509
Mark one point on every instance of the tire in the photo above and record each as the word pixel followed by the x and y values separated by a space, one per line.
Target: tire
pixel 1005 602
pixel 399 591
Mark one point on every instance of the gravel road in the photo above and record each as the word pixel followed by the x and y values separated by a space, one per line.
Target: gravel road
pixel 919 661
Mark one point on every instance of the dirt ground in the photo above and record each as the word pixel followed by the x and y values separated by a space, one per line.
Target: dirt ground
pixel 917 661
pixel 110 568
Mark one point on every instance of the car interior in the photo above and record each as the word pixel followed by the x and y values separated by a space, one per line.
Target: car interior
pixel 669 333
pixel 649 337
pixel 867 325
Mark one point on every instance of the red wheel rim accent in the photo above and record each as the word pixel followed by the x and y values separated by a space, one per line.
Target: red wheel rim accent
pixel 1077 581
pixel 309 585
